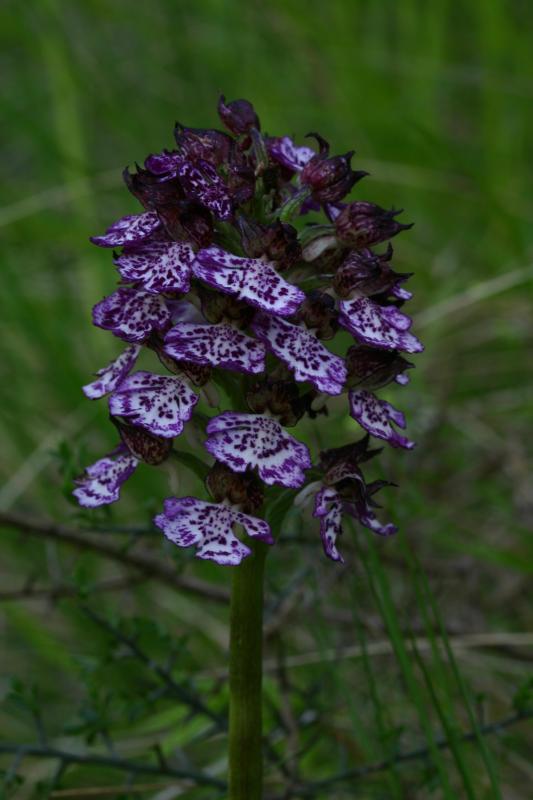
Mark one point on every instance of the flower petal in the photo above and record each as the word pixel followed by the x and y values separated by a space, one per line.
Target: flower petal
pixel 328 508
pixel 165 163
pixel 300 349
pixel 102 480
pixel 129 230
pixel 381 326
pixel 187 521
pixel 159 403
pixel 283 150
pixel 160 265
pixel 243 441
pixel 217 345
pixel 202 182
pixel 132 314
pixel 109 377
pixel 376 416
pixel 254 280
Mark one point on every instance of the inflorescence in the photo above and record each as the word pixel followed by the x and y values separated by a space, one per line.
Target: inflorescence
pixel 215 280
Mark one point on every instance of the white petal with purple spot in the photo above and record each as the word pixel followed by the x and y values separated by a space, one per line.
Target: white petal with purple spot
pixel 376 416
pixel 243 441
pixel 381 326
pixel 187 521
pixel 109 377
pixel 300 349
pixel 217 345
pixel 129 230
pixel 283 150
pixel 202 182
pixel 254 280
pixel 159 403
pixel 132 314
pixel 102 480
pixel 160 265
pixel 328 508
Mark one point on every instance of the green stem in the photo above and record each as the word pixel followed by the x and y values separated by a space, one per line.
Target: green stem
pixel 246 651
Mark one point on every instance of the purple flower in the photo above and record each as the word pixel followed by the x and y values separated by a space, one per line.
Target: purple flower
pixel 212 283
pixel 376 416
pixel 158 403
pixel 238 116
pixel 217 345
pixel 328 509
pixel 246 441
pixel 201 182
pixel 187 521
pixel 131 314
pixel 109 377
pixel 129 230
pixel 159 265
pixel 283 150
pixel 253 280
pixel 102 480
pixel 381 326
pixel 303 353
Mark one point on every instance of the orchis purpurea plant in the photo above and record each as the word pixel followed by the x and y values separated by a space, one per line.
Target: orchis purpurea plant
pixel 225 282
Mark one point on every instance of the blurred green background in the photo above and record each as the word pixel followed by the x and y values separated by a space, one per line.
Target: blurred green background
pixel 436 98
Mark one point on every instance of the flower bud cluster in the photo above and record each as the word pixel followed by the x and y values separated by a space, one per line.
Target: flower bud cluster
pixel 212 282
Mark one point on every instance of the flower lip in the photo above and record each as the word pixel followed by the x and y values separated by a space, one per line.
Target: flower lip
pixel 254 280
pixel 129 230
pixel 109 377
pixel 376 416
pixel 160 404
pixel 159 265
pixel 131 314
pixel 328 509
pixel 245 441
pixel 380 326
pixel 187 521
pixel 216 345
pixel 303 353
pixel 101 483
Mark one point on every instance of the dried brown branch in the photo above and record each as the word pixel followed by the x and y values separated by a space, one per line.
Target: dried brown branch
pixel 143 561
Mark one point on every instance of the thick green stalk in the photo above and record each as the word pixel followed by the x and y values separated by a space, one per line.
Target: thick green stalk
pixel 246 652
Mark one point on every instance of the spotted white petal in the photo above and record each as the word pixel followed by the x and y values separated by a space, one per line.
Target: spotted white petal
pixel 129 230
pixel 108 378
pixel 254 280
pixel 376 416
pixel 187 521
pixel 160 265
pixel 328 508
pixel 201 182
pixel 283 150
pixel 101 483
pixel 300 349
pixel 243 441
pixel 132 314
pixel 160 404
pixel 216 345
pixel 381 326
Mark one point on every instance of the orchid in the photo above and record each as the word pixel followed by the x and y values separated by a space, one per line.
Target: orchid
pixel 214 278
pixel 225 284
